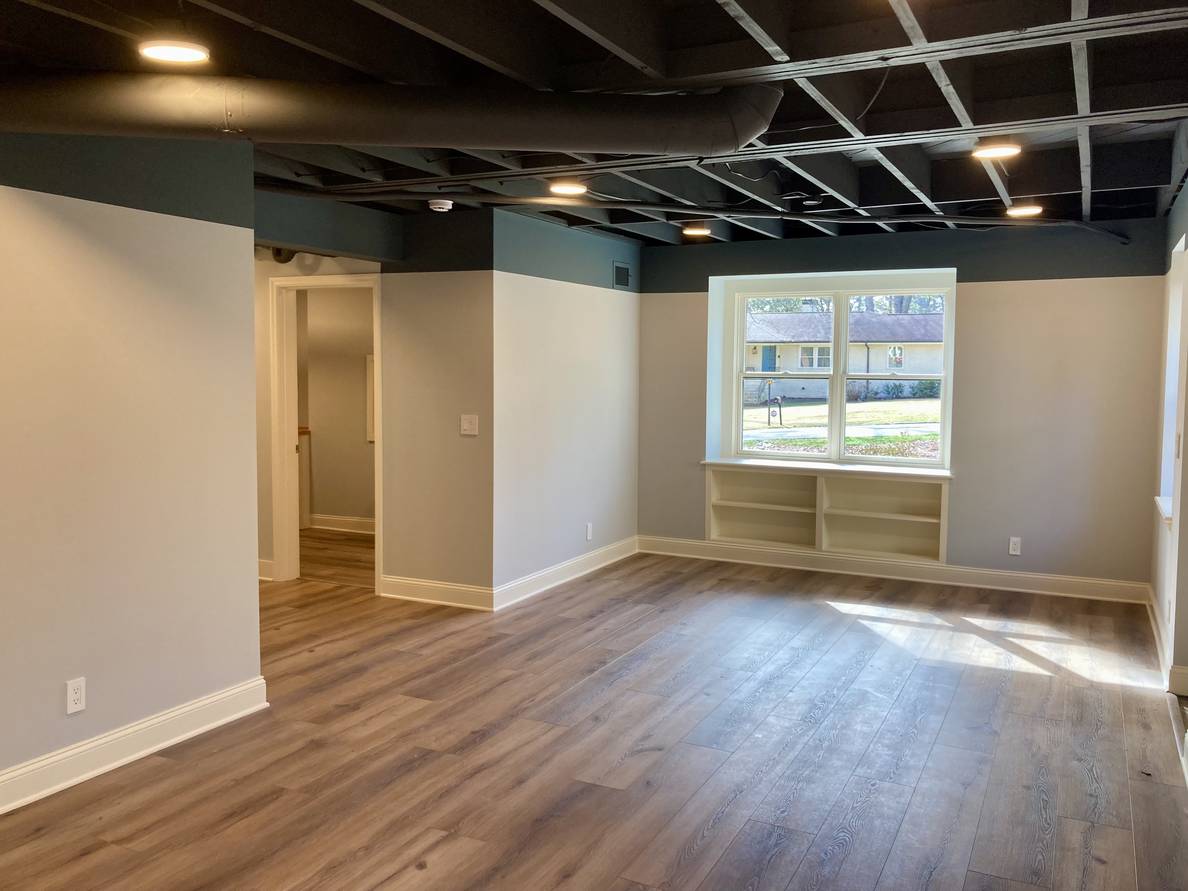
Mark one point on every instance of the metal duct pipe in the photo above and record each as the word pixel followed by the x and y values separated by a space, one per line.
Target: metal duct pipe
pixel 198 107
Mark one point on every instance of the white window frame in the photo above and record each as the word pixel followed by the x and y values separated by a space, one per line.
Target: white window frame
pixel 840 287
pixel 902 356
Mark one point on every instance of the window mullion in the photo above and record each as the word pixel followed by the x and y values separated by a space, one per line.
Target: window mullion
pixel 841 361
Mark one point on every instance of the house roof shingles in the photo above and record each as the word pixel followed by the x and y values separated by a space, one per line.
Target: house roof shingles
pixel 865 327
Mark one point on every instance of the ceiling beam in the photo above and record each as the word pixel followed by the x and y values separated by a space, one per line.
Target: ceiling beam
pixel 848 145
pixel 417 159
pixel 1081 78
pixel 768 22
pixel 356 41
pixel 763 190
pixel 954 80
pixel 633 30
pixel 706 66
pixel 479 30
pixel 330 157
pixel 1179 169
pixel 842 100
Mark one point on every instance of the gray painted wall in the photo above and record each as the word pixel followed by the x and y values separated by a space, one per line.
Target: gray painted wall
pixel 437 365
pixel 994 255
pixel 327 227
pixel 127 536
pixel 1052 438
pixel 546 250
pixel 566 420
pixel 342 461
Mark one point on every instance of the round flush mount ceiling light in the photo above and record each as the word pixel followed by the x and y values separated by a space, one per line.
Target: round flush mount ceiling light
pixel 696 230
pixel 996 151
pixel 567 187
pixel 1024 210
pixel 176 52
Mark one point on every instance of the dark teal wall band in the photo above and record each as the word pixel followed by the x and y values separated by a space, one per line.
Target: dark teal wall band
pixel 546 250
pixel 327 227
pixel 979 256
pixel 201 180
pixel 458 241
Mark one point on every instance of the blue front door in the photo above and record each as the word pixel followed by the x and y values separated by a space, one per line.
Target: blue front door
pixel 769 358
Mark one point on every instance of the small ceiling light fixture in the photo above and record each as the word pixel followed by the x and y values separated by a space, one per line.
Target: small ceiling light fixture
pixel 177 52
pixel 813 201
pixel 1024 210
pixel 696 230
pixel 441 205
pixel 996 151
pixel 567 187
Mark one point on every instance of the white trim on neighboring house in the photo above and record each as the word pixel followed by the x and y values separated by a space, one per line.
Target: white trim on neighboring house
pixel 908 570
pixel 342 524
pixel 67 767
pixel 286 549
pixel 488 598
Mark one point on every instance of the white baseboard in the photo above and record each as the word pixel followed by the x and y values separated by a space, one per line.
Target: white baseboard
pixel 529 585
pixel 1177 680
pixel 485 597
pixel 908 570
pixel 343 524
pixel 66 767
pixel 440 593
pixel 265 570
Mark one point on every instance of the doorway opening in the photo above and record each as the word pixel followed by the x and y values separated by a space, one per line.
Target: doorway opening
pixel 326 428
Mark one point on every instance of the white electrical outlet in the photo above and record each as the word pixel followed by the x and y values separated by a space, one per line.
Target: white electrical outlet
pixel 589 532
pixel 76 695
pixel 1015 545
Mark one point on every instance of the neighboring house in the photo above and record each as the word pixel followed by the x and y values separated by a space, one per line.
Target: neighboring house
pixel 904 343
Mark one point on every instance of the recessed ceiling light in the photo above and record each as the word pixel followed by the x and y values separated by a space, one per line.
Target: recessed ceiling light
pixel 178 52
pixel 813 201
pixel 996 151
pixel 567 187
pixel 697 230
pixel 1024 210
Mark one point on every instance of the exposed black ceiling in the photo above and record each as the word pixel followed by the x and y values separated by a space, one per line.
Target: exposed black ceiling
pixel 883 100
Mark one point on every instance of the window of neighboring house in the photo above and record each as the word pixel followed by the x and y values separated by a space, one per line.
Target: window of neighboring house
pixel 814 356
pixel 850 409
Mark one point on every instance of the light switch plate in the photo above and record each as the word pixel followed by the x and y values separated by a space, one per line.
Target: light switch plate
pixel 469 425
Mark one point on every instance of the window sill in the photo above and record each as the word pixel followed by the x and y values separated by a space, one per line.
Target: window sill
pixel 832 467
pixel 1163 504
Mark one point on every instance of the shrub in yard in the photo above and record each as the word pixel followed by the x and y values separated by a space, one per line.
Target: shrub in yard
pixel 893 390
pixel 925 389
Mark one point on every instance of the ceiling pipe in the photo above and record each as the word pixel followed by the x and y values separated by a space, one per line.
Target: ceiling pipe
pixel 206 107
pixel 389 194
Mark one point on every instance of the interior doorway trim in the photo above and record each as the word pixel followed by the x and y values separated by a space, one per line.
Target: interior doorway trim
pixel 286 534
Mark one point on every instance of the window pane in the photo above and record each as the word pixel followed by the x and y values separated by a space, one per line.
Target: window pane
pixel 823 356
pixel 775 326
pixel 897 332
pixel 893 419
pixel 786 417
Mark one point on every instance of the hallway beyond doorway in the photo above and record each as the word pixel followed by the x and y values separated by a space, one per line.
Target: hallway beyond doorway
pixel 347 558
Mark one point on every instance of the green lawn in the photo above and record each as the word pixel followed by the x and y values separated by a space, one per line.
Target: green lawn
pixel 920 445
pixel 816 414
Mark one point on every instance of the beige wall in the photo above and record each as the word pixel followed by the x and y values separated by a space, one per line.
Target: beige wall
pixel 342 461
pixel 265 268
pixel 566 420
pixel 1047 445
pixel 437 483
pixel 127 537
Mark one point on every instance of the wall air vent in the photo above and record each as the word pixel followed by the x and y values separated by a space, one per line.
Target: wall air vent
pixel 622 276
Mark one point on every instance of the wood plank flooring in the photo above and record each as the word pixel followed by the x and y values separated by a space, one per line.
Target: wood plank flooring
pixel 661 724
pixel 344 557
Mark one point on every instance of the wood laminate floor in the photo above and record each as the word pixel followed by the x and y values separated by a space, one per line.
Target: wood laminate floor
pixel 663 723
pixel 344 557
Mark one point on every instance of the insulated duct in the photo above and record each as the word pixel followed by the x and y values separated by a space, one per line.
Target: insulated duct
pixel 206 107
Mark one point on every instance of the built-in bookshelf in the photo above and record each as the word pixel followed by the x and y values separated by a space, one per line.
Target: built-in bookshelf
pixel 838 508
